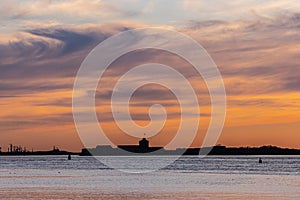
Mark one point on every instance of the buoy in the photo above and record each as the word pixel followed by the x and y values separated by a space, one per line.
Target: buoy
pixel 69 157
pixel 260 160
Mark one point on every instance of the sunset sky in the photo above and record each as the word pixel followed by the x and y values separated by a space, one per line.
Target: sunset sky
pixel 254 43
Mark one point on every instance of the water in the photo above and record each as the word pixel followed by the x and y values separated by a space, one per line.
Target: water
pixel 216 177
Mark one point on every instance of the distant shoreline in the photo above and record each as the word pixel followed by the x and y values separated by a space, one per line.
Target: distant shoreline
pixel 216 150
pixel 38 153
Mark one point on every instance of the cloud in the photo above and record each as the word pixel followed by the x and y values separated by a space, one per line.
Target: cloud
pixel 51 52
pixel 72 41
pixel 49 43
pixel 238 9
pixel 38 86
pixel 257 58
pixel 61 102
pixel 259 54
pixel 262 102
pixel 27 122
pixel 62 10
pixel 244 49
pixel 150 93
pixel 249 53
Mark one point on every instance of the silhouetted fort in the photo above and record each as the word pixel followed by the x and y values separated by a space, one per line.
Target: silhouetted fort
pixel 144 148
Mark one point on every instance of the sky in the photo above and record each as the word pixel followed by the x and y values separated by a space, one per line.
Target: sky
pixel 254 43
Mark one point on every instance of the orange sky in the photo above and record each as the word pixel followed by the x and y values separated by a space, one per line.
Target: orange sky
pixel 256 48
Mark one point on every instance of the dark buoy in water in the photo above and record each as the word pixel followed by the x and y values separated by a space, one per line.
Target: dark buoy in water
pixel 69 157
pixel 259 160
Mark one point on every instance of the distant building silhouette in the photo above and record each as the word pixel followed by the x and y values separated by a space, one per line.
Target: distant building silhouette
pixel 16 149
pixel 19 150
pixel 143 147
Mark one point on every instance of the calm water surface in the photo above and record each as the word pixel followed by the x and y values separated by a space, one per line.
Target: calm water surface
pixel 230 177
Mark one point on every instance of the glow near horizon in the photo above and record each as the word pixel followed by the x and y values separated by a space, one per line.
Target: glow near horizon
pixel 254 43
